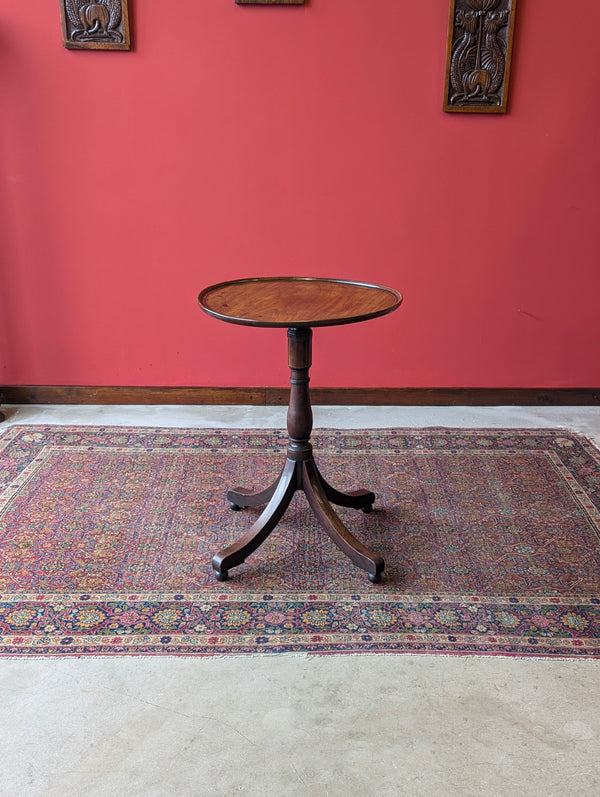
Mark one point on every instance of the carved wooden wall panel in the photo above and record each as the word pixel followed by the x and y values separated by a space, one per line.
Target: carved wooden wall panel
pixel 480 35
pixel 99 25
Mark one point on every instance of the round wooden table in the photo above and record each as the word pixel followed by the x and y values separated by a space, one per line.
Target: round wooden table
pixel 298 304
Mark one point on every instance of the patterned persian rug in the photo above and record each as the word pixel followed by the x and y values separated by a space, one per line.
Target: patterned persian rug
pixel 491 540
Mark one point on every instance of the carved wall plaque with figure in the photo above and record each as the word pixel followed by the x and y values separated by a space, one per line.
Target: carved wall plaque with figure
pixel 99 25
pixel 480 35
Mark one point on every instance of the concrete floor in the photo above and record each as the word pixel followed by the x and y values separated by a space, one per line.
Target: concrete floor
pixel 291 725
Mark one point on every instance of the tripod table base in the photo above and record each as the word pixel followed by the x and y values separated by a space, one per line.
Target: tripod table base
pixel 299 475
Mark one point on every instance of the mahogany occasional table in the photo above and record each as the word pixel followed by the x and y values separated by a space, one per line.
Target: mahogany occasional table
pixel 298 303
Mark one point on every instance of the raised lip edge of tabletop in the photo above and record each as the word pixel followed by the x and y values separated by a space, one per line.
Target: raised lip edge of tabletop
pixel 308 323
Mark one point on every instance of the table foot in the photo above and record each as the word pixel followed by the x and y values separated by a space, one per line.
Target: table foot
pixel 355 499
pixel 281 496
pixel 240 497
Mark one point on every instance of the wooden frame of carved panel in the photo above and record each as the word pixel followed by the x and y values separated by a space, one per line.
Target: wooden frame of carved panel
pixel 480 38
pixel 95 25
pixel 270 2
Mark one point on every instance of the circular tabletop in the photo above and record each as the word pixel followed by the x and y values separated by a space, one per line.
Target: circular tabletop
pixel 297 301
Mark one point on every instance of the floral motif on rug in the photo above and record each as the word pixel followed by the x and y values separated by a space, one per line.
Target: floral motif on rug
pixel 491 540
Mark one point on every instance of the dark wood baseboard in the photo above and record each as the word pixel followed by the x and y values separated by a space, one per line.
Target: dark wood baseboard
pixel 271 396
pixel 445 397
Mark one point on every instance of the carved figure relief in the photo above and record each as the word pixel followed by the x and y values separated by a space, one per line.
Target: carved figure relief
pixel 99 25
pixel 480 34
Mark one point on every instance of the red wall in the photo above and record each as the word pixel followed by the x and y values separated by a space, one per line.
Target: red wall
pixel 243 140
